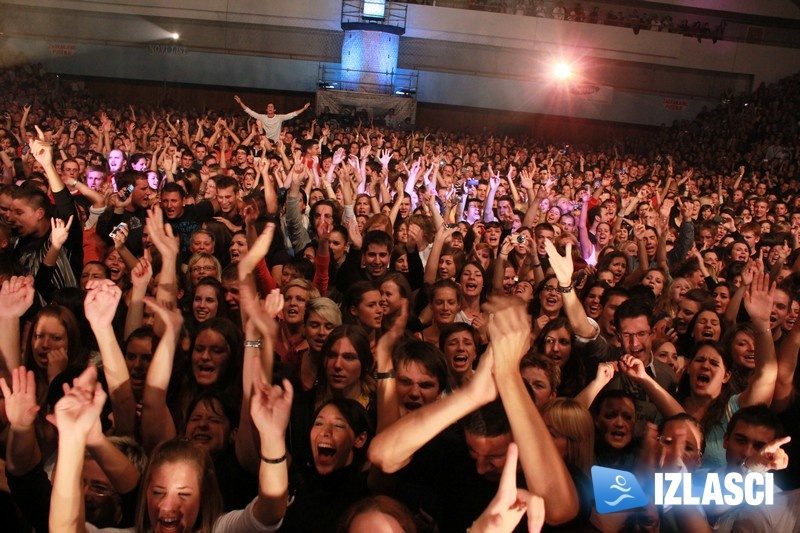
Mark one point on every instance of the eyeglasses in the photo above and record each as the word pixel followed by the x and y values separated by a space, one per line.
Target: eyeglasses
pixel 550 288
pixel 204 268
pixel 640 335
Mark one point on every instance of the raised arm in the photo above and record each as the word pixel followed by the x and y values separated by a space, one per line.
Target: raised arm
pixel 168 246
pixel 21 408
pixel 509 339
pixel 587 248
pixel 260 326
pixel 562 266
pixel 663 400
pixel 787 364
pixel 16 296
pixel 75 415
pixel 758 303
pixel 432 266
pixel 388 403
pixel 141 275
pixel 270 410
pixel 100 305
pixel 605 372
pixel 488 205
pixel 157 423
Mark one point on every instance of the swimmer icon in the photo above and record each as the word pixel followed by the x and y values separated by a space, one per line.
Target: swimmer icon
pixel 616 490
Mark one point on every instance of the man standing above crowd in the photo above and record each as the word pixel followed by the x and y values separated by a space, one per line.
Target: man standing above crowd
pixel 272 122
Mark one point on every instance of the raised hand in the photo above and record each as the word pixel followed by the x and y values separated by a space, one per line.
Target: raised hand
pixel 120 238
pixel 386 156
pixel 256 252
pixel 161 233
pixel 41 150
pixel 561 264
pixel 771 456
pixel 758 299
pixel 80 407
pixel 142 273
pixel 482 388
pixel 338 157
pixel 21 405
pixel 605 372
pixel 16 296
pixel 100 304
pixel 271 405
pixel 389 339
pixel 171 317
pixel 510 503
pixel 632 367
pixel 509 331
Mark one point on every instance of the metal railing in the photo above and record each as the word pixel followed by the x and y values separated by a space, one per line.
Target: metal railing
pixel 394 16
pixel 333 77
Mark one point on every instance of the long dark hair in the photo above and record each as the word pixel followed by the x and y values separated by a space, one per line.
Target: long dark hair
pixel 716 411
pixel 357 418
pixel 358 337
pixel 573 373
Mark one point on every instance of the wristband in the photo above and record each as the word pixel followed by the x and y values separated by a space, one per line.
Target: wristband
pixel 536 265
pixel 384 375
pixel 253 343
pixel 565 290
pixel 277 461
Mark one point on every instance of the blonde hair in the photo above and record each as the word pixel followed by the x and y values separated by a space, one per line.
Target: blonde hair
pixel 326 308
pixel 304 284
pixel 194 259
pixel 568 417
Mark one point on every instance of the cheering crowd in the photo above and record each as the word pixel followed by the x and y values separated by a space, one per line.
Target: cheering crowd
pixel 246 320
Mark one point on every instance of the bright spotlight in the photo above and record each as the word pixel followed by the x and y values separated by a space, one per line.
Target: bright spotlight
pixel 562 71
pixel 175 35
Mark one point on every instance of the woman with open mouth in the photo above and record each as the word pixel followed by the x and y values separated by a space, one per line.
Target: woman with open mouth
pixel 53 345
pixel 614 414
pixel 592 296
pixel 291 345
pixel 334 477
pixel 472 279
pixel 740 342
pixel 547 301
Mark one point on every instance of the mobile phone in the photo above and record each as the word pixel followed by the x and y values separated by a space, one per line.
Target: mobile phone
pixel 124 193
pixel 117 229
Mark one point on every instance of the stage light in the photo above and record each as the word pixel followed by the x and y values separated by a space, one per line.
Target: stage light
pixel 175 36
pixel 562 71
